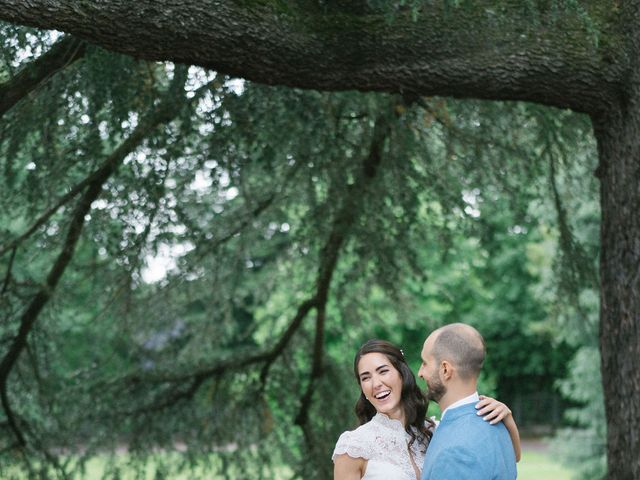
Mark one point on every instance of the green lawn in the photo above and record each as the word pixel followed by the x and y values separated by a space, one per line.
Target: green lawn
pixel 534 465
pixel 540 466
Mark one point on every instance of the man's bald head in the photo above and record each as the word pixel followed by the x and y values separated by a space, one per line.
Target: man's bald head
pixel 462 346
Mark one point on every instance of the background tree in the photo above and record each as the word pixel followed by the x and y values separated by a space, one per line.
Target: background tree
pixel 277 202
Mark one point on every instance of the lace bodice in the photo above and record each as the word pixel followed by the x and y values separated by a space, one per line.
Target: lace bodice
pixel 383 442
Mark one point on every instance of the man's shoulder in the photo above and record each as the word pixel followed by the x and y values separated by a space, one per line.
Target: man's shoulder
pixel 468 447
pixel 469 428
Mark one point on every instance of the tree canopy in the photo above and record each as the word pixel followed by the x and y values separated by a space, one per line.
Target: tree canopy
pixel 278 200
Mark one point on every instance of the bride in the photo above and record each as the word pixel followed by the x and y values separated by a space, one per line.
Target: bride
pixel 394 431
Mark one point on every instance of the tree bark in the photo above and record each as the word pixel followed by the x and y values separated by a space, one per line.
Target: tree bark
pixel 482 50
pixel 34 74
pixel 619 147
pixel 618 136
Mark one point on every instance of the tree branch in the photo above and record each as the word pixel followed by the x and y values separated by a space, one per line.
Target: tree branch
pixel 224 366
pixel 480 49
pixel 136 137
pixel 329 257
pixel 62 54
pixel 162 113
pixel 7 277
pixel 11 419
pixel 41 298
pixel 44 217
pixel 196 379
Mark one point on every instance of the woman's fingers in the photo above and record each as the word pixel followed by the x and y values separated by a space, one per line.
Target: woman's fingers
pixel 484 401
pixel 492 411
pixel 486 404
pixel 495 416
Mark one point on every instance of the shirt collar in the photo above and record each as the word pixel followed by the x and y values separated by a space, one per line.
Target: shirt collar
pixel 473 398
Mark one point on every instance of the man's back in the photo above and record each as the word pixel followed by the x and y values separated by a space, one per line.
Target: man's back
pixel 466 447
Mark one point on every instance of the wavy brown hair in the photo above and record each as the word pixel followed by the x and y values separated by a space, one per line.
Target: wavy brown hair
pixel 413 400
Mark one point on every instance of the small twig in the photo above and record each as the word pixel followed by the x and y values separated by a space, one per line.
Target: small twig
pixel 11 419
pixel 7 278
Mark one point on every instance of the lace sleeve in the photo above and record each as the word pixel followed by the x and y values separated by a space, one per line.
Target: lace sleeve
pixel 353 445
pixel 435 422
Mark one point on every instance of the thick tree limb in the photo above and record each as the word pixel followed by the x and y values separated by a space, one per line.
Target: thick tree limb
pixel 343 222
pixel 31 76
pixel 30 315
pixel 482 49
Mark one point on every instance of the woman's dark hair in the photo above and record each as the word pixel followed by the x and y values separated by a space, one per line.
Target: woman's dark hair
pixel 413 400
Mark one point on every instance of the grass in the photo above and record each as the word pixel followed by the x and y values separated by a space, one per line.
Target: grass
pixel 536 465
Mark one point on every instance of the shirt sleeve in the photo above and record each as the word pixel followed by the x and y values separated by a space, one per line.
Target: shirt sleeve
pixel 351 444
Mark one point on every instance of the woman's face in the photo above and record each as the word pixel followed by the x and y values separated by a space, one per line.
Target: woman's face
pixel 381 383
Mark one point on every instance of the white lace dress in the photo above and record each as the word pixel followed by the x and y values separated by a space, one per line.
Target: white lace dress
pixel 383 443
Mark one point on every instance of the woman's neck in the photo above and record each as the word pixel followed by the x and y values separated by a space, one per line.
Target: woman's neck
pixel 397 414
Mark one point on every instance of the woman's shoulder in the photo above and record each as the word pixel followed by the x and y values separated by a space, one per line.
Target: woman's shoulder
pixel 361 434
pixel 357 443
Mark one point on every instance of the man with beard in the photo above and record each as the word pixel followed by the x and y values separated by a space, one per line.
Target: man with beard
pixel 465 445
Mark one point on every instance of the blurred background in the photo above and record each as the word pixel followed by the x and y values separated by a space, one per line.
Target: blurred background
pixel 189 262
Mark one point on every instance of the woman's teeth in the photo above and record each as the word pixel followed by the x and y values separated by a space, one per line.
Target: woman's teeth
pixel 383 395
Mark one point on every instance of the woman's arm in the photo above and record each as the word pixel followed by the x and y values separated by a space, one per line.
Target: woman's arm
pixel 510 423
pixel 494 411
pixel 348 468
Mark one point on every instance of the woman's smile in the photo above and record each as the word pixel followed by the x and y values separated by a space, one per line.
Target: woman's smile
pixel 381 384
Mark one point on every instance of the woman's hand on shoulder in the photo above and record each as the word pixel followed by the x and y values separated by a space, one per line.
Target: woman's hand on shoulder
pixel 492 410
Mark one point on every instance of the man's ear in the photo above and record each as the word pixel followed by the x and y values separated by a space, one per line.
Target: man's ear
pixel 446 370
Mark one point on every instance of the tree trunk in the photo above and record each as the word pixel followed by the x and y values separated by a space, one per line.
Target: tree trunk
pixel 489 50
pixel 618 137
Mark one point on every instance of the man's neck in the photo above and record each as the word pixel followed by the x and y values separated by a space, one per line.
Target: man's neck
pixel 455 394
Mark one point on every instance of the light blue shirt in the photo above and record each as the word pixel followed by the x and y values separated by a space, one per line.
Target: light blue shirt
pixel 465 447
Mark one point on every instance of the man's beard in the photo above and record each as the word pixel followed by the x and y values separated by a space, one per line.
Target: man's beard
pixel 435 390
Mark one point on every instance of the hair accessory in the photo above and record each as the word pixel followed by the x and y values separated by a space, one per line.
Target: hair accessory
pixel 402 352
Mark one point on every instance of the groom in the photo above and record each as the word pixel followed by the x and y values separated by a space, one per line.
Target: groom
pixel 464 446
